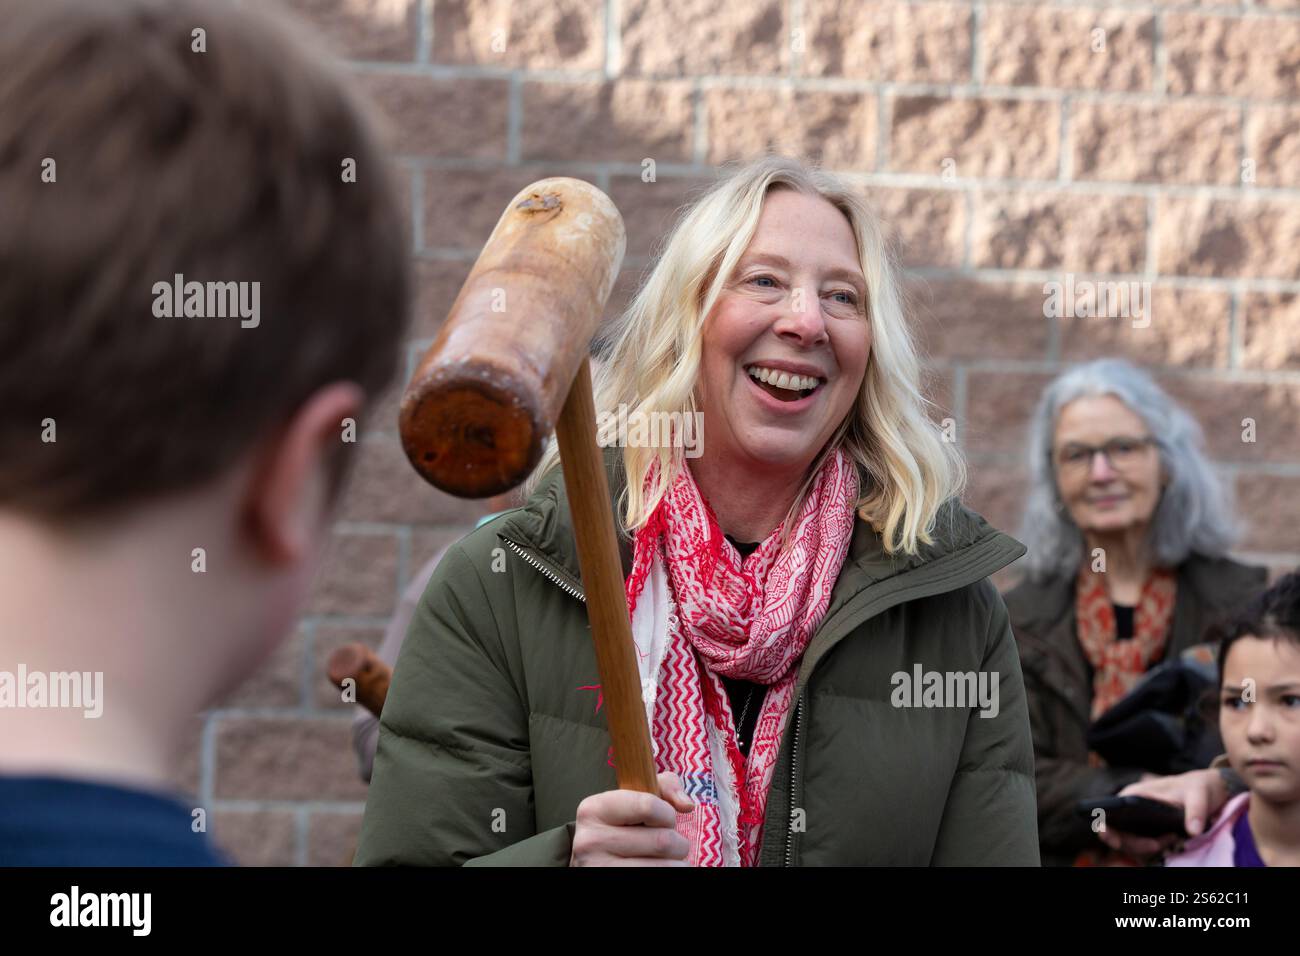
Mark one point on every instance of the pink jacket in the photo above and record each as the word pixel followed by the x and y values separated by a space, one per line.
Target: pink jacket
pixel 1215 846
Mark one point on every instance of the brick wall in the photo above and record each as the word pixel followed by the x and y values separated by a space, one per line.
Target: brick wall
pixel 1002 142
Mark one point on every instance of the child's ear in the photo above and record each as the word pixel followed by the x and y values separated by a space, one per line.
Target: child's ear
pixel 288 491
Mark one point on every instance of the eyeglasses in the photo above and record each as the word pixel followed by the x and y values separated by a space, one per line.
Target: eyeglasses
pixel 1121 453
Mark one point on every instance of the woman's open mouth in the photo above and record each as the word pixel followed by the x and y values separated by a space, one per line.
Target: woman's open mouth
pixel 784 387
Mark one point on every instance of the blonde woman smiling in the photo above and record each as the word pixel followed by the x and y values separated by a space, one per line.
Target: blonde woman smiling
pixel 778 583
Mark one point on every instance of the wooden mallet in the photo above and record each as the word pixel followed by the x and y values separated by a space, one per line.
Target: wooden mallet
pixel 509 365
pixel 370 676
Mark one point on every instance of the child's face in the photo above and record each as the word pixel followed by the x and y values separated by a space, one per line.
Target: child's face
pixel 1259 715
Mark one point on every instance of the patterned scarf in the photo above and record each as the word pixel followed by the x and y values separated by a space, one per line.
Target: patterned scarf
pixel 699 611
pixel 1117 664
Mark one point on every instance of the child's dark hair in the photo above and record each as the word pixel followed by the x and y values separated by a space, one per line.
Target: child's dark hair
pixel 222 161
pixel 1274 614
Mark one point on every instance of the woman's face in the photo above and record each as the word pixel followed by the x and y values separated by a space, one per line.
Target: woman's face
pixel 1259 715
pixel 1112 492
pixel 794 312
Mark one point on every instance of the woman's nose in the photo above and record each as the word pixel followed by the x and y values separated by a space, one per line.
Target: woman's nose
pixel 1100 469
pixel 804 319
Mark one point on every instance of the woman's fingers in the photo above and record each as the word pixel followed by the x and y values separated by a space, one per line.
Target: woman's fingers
pixel 1196 804
pixel 1135 846
pixel 627 808
pixel 652 843
pixel 670 787
pixel 1199 792
pixel 599 845
pixel 630 828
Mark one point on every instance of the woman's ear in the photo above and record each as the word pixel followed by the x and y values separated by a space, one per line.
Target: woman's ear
pixel 287 498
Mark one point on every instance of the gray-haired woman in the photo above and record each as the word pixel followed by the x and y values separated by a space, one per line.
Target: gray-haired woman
pixel 1127 529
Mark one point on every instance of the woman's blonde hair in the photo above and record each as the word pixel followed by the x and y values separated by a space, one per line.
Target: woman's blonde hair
pixel 653 358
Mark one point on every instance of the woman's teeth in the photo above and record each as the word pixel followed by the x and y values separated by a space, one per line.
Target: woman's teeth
pixel 785 380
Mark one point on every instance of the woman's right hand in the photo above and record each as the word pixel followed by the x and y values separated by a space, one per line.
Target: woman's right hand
pixel 631 828
pixel 1201 794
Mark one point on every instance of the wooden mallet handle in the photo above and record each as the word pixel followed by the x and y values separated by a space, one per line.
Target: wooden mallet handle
pixel 611 630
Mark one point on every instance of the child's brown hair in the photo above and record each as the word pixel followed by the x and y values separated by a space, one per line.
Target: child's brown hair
pixel 142 139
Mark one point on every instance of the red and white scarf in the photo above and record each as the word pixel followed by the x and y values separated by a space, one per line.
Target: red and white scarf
pixel 699 611
pixel 1118 665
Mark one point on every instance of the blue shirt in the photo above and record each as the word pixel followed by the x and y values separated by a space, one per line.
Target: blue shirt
pixel 57 821
pixel 1244 851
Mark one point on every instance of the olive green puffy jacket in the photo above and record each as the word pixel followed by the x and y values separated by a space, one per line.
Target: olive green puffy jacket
pixel 488 740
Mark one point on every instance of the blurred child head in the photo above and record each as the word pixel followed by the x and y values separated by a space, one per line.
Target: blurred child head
pixel 142 141
pixel 1259 700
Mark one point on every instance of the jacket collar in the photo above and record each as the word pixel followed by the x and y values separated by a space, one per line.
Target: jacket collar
pixel 965 548
pixel 545 522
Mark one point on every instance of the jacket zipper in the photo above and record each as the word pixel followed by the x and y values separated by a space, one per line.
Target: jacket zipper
pixel 549 574
pixel 794 763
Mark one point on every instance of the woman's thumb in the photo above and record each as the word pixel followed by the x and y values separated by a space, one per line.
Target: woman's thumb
pixel 671 789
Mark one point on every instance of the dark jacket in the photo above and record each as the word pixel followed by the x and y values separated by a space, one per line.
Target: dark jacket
pixel 1058 680
pixel 487 744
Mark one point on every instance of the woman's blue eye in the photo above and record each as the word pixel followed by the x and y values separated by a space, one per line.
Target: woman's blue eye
pixel 851 298
pixel 760 278
pixel 1291 700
